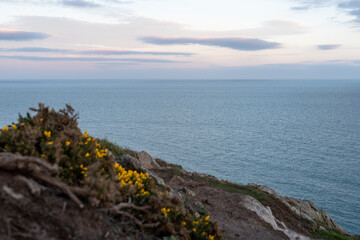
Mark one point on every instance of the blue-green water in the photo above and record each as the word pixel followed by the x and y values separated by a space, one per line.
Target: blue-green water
pixel 301 138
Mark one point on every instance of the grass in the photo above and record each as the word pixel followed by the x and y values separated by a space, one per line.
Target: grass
pixel 331 236
pixel 114 148
pixel 177 172
pixel 259 195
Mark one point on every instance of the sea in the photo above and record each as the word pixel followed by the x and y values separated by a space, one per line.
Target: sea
pixel 299 137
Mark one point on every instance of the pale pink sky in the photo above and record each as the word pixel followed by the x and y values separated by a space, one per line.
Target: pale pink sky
pixel 174 39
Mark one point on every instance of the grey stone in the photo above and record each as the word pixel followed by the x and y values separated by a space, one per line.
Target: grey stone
pixel 147 161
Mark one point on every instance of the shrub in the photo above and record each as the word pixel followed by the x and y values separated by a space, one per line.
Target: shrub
pixel 85 162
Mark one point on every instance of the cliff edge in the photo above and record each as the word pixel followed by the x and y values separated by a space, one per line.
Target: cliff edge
pixel 57 182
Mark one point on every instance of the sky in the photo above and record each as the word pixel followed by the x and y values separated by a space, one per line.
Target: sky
pixel 179 39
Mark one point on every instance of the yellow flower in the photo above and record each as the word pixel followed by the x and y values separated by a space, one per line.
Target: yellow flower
pixel 184 223
pixel 207 218
pixel 14 126
pixel 43 155
pixel 41 119
pixel 67 143
pixel 47 133
pixel 6 128
pixel 87 155
pixel 85 175
pixel 164 211
pixel 211 237
pixel 194 229
pixel 50 143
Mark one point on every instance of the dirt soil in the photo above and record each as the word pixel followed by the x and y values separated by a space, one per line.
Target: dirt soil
pixel 51 215
pixel 222 205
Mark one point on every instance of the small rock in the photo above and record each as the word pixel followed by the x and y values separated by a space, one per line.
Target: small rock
pixel 188 192
pixel 321 228
pixel 176 180
pixel 147 161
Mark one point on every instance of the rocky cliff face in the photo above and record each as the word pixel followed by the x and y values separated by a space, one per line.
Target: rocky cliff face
pixel 31 210
pixel 242 211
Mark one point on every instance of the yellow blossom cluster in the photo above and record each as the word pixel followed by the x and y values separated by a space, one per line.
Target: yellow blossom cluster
pixel 200 227
pixel 47 134
pixel 165 211
pixel 86 140
pixel 6 128
pixel 100 153
pixel 132 179
pixel 83 170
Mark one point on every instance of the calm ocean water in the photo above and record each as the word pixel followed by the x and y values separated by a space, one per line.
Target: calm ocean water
pixel 301 138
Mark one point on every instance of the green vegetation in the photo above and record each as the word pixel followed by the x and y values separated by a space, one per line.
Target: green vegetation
pixel 331 236
pixel 114 148
pixel 256 193
pixel 259 195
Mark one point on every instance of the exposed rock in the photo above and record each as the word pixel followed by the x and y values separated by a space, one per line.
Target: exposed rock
pixel 133 163
pixel 187 192
pixel 307 209
pixel 265 189
pixel 147 161
pixel 304 208
pixel 176 180
pixel 266 215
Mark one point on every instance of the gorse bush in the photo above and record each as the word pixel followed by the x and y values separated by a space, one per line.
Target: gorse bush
pixel 85 162
pixel 56 138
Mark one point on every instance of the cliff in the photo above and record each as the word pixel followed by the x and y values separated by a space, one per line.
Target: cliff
pixel 33 209
pixel 59 183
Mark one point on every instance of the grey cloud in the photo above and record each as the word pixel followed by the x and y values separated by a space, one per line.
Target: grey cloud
pixel 35 50
pixel 350 4
pixel 92 52
pixel 13 35
pixel 79 3
pixel 328 46
pixel 353 8
pixel 90 59
pixel 307 4
pixel 115 52
pixel 300 8
pixel 244 44
pixel 356 13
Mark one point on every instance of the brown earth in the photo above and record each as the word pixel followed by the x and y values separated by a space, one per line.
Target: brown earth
pixel 222 205
pixel 32 209
pixel 40 212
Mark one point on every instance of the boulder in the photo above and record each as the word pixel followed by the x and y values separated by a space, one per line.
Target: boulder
pixel 265 214
pixel 147 161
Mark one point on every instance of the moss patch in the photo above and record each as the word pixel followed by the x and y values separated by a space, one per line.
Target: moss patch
pixel 331 236
pixel 114 148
